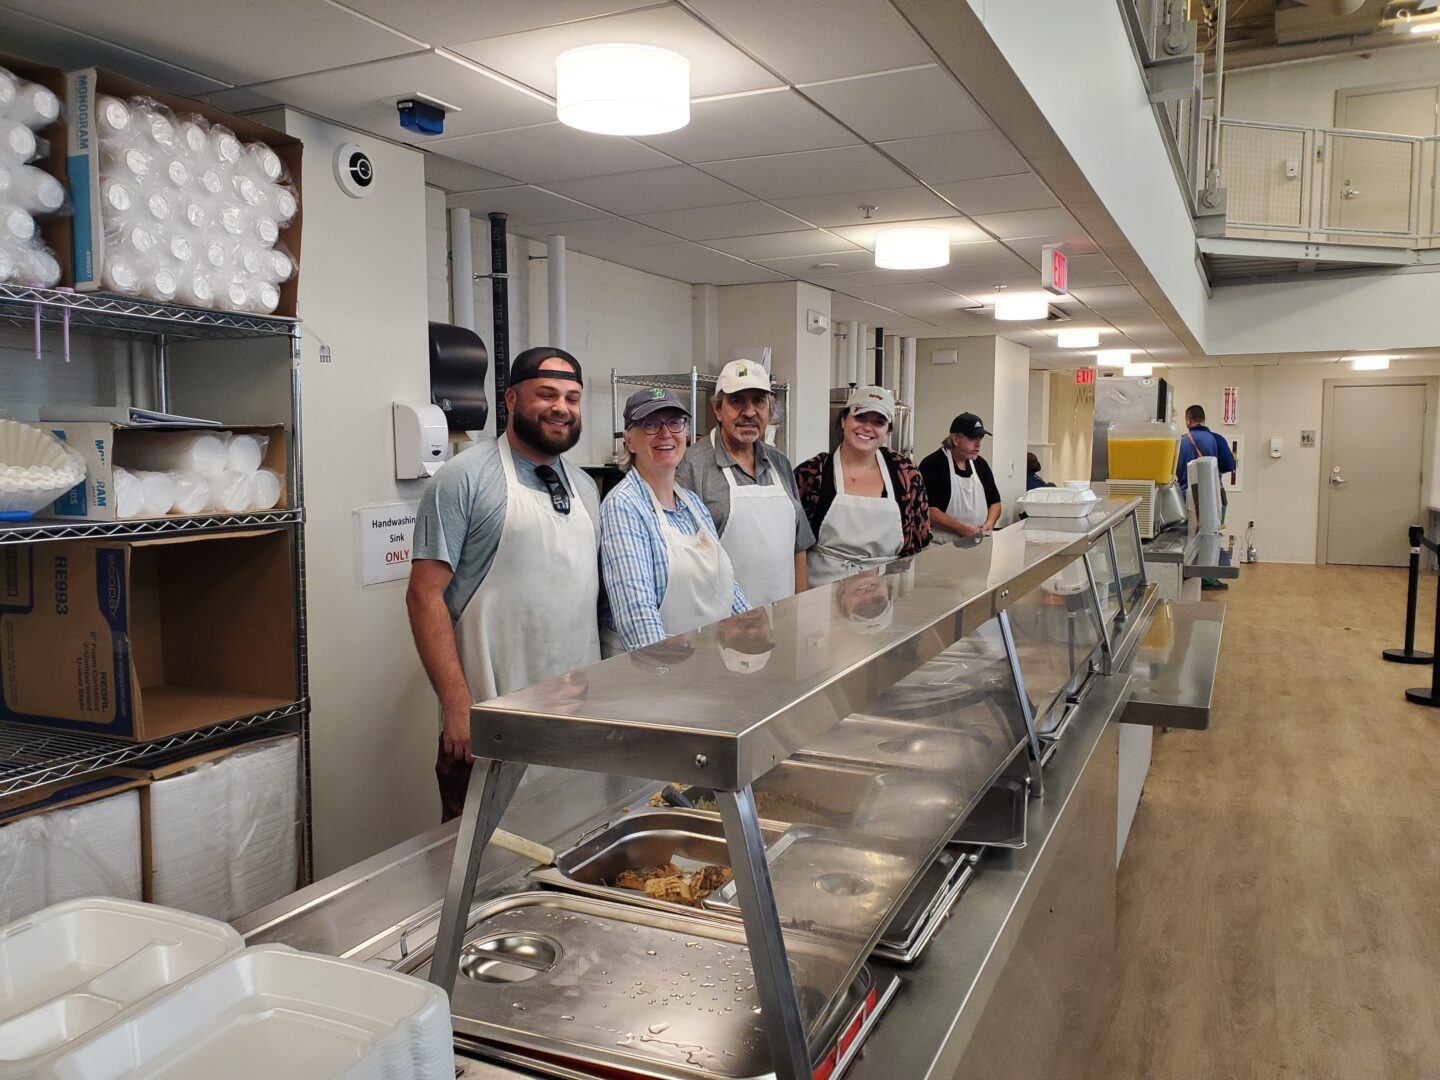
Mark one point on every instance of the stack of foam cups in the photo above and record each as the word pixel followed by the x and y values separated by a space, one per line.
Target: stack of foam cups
pixel 195 472
pixel 27 191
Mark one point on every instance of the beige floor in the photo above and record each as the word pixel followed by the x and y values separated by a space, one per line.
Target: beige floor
pixel 1279 910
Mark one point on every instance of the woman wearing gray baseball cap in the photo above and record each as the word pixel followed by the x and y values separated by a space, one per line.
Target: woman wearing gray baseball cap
pixel 661 561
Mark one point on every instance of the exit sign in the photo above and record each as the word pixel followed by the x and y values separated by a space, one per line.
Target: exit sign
pixel 1054 277
pixel 1084 376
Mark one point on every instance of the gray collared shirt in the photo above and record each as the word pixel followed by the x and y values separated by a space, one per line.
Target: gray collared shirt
pixel 703 472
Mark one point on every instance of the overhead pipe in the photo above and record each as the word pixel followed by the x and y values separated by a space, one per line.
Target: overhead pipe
pixel 907 371
pixel 1211 195
pixel 862 355
pixel 500 314
pixel 462 269
pixel 879 356
pixel 555 288
pixel 852 354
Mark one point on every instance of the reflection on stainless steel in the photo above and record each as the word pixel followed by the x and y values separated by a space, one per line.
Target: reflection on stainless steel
pixel 1056 634
pixel 998 820
pixel 912 929
pixel 686 716
pixel 1174 667
pixel 627 988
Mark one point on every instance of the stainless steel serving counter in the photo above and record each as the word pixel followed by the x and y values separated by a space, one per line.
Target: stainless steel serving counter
pixel 1044 912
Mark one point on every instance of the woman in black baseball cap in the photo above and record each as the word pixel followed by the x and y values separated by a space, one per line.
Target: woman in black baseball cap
pixel 964 500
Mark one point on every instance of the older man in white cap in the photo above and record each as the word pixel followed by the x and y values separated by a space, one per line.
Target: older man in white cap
pixel 749 487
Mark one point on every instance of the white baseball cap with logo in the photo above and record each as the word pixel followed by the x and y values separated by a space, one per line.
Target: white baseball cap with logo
pixel 874 399
pixel 740 375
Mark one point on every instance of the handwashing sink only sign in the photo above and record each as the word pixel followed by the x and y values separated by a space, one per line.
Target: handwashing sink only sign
pixel 385 541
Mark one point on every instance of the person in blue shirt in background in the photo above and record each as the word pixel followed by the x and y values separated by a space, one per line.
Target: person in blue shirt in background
pixel 1033 479
pixel 1197 442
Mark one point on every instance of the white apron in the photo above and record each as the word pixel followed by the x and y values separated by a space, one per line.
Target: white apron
pixel 858 531
pixel 521 626
pixel 967 502
pixel 700 580
pixel 759 536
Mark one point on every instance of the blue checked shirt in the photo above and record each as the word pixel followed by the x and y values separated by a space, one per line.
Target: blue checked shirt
pixel 634 563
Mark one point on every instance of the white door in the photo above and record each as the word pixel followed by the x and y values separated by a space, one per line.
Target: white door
pixel 1370 178
pixel 1374 455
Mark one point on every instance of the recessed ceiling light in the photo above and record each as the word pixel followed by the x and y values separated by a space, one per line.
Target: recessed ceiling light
pixel 1113 357
pixel 911 249
pixel 622 89
pixel 1021 307
pixel 826 266
pixel 1078 339
pixel 1142 370
pixel 1370 363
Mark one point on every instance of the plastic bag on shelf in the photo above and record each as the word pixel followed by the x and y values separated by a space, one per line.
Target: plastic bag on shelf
pixel 247 452
pixel 32 190
pixel 192 493
pixel 266 489
pixel 203 452
pixel 232 493
pixel 112 118
pixel 157 493
pixel 18 143
pixel 129 499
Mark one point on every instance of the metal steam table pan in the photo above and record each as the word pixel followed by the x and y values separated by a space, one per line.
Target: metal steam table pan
pixel 998 820
pixel 576 982
pixel 687 838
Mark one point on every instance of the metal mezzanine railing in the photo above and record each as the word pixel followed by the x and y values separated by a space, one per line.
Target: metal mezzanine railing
pixel 1330 185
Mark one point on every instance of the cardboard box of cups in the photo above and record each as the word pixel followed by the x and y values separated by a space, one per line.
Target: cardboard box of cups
pixel 177 201
pixel 35 238
pixel 139 473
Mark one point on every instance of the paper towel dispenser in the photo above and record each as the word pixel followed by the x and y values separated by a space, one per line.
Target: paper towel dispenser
pixel 459 362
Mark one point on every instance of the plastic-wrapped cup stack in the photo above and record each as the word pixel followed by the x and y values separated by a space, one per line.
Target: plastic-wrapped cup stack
pixel 214 205
pixel 198 472
pixel 27 190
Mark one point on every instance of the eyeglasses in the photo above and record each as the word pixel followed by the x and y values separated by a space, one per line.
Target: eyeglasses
pixel 651 425
pixel 559 497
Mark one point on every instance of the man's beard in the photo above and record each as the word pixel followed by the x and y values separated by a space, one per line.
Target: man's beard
pixel 532 432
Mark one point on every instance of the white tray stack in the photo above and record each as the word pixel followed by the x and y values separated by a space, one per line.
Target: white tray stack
pixel 105 990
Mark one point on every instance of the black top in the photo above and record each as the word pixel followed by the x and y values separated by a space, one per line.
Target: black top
pixel 935 470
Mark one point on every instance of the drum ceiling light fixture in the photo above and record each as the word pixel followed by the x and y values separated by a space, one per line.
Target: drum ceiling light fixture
pixel 1144 371
pixel 1022 307
pixel 912 249
pixel 622 89
pixel 1113 357
pixel 1078 339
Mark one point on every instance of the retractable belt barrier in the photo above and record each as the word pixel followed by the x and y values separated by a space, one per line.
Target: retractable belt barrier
pixel 1420 695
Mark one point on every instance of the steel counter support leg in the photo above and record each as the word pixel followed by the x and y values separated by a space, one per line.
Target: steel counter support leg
pixel 779 1006
pixel 492 786
pixel 1027 709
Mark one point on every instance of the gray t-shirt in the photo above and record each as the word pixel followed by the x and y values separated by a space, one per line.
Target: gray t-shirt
pixel 703 472
pixel 463 511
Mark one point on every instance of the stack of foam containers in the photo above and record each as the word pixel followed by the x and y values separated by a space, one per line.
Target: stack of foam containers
pixel 224 836
pixel 195 472
pixel 92 849
pixel 191 214
pixel 100 990
pixel 27 192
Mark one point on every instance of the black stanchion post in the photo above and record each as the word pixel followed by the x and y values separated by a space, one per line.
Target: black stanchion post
pixel 1408 655
pixel 1430 695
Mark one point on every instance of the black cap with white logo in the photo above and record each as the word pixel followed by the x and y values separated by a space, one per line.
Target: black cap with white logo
pixel 969 425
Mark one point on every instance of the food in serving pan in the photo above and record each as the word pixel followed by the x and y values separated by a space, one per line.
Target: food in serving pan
pixel 668 882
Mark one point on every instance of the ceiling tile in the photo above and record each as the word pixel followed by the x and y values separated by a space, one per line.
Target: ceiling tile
pixel 944 159
pixel 525 205
pixel 455 175
pixel 854 261
pixel 846 308
pixel 749 126
pixel 716 67
pixel 1030 248
pixel 842 208
pixel 249 42
pixel 695 264
pixel 675 187
pixel 805 244
pixel 962 230
pixel 1012 226
pixel 363 96
pixel 883 106
pixel 979 267
pixel 810 40
pixel 812 172
pixel 593 234
pixel 712 222
pixel 999 194
pixel 444 22
pixel 1092 271
pixel 550 152
pixel 68 49
pixel 1113 300
pixel 855 283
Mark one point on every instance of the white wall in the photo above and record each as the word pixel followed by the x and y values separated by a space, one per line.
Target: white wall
pixel 991 379
pixel 374 726
pixel 1282 496
pixel 1072 428
pixel 1304 93
pixel 437 256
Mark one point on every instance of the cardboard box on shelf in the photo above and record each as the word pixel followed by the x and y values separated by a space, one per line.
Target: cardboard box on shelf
pixel 102 444
pixel 148 638
pixel 56 230
pixel 221 828
pixel 83 168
